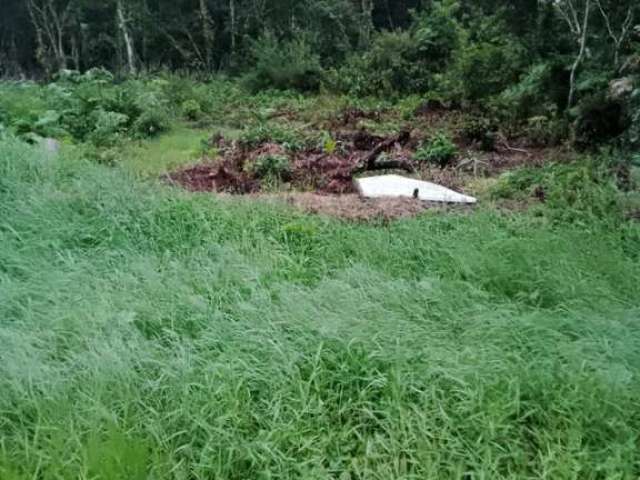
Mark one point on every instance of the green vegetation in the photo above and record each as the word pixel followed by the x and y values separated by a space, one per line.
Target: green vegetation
pixel 439 150
pixel 272 165
pixel 191 109
pixel 89 107
pixel 152 334
pixel 269 132
pixel 155 156
pixel 288 65
pixel 536 66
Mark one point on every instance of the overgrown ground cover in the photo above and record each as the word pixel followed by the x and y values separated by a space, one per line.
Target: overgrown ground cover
pixel 191 287
pixel 148 332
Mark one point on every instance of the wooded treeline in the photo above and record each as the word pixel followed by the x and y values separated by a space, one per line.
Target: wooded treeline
pixel 42 36
pixel 192 34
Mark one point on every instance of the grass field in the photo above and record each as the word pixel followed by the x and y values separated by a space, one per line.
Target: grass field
pixel 150 333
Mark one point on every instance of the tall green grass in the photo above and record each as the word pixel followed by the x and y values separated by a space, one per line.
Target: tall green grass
pixel 150 333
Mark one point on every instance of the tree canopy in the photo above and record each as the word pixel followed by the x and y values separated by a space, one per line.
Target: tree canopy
pixel 41 36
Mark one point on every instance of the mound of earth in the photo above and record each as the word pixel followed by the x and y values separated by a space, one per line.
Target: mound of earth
pixel 311 169
pixel 352 206
pixel 328 174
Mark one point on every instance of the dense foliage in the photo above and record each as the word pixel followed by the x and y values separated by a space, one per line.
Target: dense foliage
pixel 528 61
pixel 149 334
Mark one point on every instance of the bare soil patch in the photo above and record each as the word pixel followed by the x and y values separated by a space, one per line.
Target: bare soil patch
pixel 328 176
pixel 353 207
pixel 312 169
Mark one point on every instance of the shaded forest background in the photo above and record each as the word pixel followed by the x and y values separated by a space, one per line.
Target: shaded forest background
pixel 523 59
pixel 148 332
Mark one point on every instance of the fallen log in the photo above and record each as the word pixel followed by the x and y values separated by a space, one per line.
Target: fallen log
pixel 369 162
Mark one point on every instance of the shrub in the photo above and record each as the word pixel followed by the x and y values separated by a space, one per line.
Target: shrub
pixel 152 114
pixel 47 125
pixel 486 62
pixel 264 132
pixel 542 90
pixel 544 131
pixel 402 62
pixel 571 192
pixel 351 77
pixel 86 107
pixel 481 130
pixel 21 100
pixel 108 127
pixel 191 110
pixel 485 69
pixel 600 120
pixel 329 144
pixel 391 64
pixel 272 166
pixel 284 65
pixel 439 150
pixel 151 122
pixel 437 33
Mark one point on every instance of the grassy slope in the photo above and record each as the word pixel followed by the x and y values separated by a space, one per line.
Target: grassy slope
pixel 148 333
pixel 164 153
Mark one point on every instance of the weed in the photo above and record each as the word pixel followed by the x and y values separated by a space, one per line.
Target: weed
pixel 480 130
pixel 329 144
pixel 271 165
pixel 149 332
pixel 570 192
pixel 264 132
pixel 440 150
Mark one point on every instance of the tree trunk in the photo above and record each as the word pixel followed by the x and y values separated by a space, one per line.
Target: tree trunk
pixel 581 53
pixel 366 26
pixel 49 27
pixel 41 49
pixel 618 40
pixel 126 36
pixel 207 33
pixel 75 53
pixel 232 15
pixel 389 16
pixel 369 162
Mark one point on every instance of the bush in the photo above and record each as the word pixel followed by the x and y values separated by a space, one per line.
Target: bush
pixel 46 125
pixel 440 150
pixel 272 166
pixel 541 91
pixel 191 110
pixel 108 127
pixel 390 66
pixel 284 65
pixel 599 120
pixel 571 192
pixel 543 131
pixel 481 130
pixel 264 132
pixel 152 114
pixel 151 122
pixel 485 69
pixel 437 33
pixel 402 62
pixel 486 62
pixel 87 107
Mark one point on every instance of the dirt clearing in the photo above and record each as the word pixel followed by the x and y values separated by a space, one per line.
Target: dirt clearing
pixel 352 206
pixel 318 176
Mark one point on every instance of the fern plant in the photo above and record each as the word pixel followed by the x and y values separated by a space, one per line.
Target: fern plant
pixel 440 150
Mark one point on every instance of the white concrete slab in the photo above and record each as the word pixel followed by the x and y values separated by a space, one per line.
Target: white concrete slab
pixel 397 186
